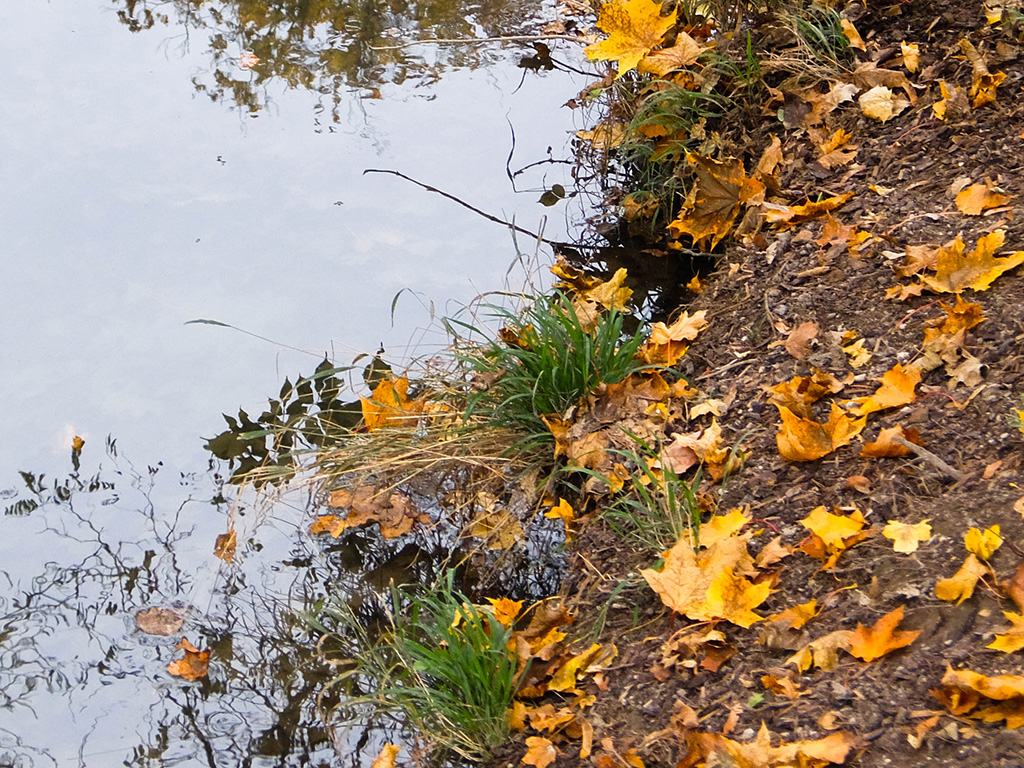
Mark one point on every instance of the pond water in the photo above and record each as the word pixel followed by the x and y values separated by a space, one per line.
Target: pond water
pixel 151 180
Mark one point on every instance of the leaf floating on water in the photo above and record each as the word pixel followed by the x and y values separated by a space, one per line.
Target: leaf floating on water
pixel 225 546
pixel 195 664
pixel 386 758
pixel 162 622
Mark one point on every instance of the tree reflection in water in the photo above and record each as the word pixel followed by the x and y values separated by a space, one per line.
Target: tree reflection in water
pixel 332 47
pixel 107 544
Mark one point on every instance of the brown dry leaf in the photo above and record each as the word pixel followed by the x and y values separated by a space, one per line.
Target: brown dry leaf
pixel 907 537
pixel 386 758
pixel 868 644
pixel 886 447
pixel 162 622
pixel 978 198
pixel 701 447
pixel 880 103
pixel 634 28
pixel 837 150
pixel 897 388
pixel 799 339
pixel 682 54
pixel 787 216
pixel 540 752
pixel 547 718
pixel 497 527
pixel 983 543
pixel 715 199
pixel 802 439
pixel 1012 639
pixel 953 105
pixel 822 652
pixel 195 664
pixel 983 83
pixel 395 514
pixel 960 586
pixel 773 552
pixel 977 270
pixel 225 546
pixel 667 343
pixel 800 393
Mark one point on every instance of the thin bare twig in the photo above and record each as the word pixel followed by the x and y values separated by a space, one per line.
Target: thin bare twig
pixel 931 458
pixel 473 40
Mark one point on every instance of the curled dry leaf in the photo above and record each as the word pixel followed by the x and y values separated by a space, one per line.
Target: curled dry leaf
pixel 983 543
pixel 960 585
pixel 802 439
pixel 822 652
pixel 386 757
pixel 787 216
pixel 953 105
pixel 801 392
pixel 880 103
pixel 799 339
pixel 962 690
pixel 911 56
pixel 983 82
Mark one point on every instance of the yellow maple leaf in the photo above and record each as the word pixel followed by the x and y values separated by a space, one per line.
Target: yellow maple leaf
pixel 905 536
pixel 802 439
pixel 634 28
pixel 722 526
pixel 564 511
pixel 1012 639
pixel 960 585
pixel 955 272
pixel 897 388
pixel 978 198
pixel 868 644
pixel 505 610
pixel 565 678
pixel 683 53
pixel 983 543
pixel 714 200
pixel 389 406
pixel 667 343
pixel 835 531
pixel 711 584
pixel 797 616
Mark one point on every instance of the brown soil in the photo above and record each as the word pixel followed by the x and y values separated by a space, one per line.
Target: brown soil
pixel 748 295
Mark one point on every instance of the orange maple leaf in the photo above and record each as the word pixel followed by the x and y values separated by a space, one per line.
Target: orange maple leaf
pixel 977 198
pixel 195 664
pixel 885 446
pixel 710 208
pixel 962 691
pixel 977 270
pixel 634 27
pixel 667 343
pixel 801 392
pixel 802 439
pixel 868 644
pixel 897 388
pixel 389 406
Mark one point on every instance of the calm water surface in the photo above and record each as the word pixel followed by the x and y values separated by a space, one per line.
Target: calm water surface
pixel 149 180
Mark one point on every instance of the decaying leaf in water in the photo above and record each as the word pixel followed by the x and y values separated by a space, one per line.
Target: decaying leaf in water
pixel 386 757
pixel 225 546
pixel 195 664
pixel 162 622
pixel 394 512
pixel 870 643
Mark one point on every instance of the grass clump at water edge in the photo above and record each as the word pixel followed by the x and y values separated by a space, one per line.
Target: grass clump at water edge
pixel 440 664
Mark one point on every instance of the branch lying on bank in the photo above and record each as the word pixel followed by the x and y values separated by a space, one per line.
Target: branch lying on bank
pixel 931 458
pixel 472 40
